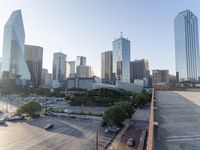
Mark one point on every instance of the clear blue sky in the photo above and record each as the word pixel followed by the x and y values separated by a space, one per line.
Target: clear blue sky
pixel 88 27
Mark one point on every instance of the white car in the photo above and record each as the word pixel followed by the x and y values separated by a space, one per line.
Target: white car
pixel 130 142
pixel 67 111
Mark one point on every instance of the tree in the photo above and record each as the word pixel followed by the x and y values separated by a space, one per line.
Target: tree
pixel 114 115
pixel 126 108
pixel 31 108
pixel 118 113
pixel 142 99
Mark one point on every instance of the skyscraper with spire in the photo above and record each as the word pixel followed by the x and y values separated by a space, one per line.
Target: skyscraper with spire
pixel 121 59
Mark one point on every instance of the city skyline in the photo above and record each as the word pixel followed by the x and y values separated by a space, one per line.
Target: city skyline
pixel 68 33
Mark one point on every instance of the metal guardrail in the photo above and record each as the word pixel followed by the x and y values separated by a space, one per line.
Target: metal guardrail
pixel 150 142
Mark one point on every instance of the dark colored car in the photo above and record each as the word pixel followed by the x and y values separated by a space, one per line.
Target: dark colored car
pixel 49 126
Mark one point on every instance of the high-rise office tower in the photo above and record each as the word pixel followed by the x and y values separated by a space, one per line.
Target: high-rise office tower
pixel 121 59
pixel 13 62
pixel 71 69
pixel 34 57
pixel 106 65
pixel 139 70
pixel 59 66
pixel 187 46
pixel 80 60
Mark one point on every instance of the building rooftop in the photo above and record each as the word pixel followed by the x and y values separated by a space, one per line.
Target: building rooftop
pixel 178 115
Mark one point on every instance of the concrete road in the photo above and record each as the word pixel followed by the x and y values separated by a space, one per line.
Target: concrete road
pixel 66 135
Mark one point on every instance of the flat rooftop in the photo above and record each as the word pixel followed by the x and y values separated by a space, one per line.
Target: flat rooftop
pixel 178 116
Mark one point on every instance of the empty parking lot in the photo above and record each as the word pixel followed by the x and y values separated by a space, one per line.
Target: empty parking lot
pixel 178 120
pixel 67 134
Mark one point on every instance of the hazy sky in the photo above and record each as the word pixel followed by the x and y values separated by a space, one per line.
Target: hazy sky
pixel 88 27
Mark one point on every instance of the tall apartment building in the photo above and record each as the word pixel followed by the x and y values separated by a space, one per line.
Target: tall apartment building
pixel 59 66
pixel 34 57
pixel 106 65
pixel 121 59
pixel 187 46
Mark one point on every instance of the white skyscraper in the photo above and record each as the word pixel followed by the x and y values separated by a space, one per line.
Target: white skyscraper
pixel 187 46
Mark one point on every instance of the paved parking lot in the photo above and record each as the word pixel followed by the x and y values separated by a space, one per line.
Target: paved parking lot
pixel 67 134
pixel 178 120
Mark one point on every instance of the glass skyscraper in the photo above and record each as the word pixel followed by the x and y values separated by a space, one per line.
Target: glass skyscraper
pixel 13 61
pixel 59 66
pixel 186 46
pixel 121 59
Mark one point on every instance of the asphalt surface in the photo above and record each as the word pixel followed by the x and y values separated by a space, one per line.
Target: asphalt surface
pixel 178 120
pixel 66 135
pixel 138 123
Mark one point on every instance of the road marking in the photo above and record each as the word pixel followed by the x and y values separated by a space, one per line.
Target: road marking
pixel 184 139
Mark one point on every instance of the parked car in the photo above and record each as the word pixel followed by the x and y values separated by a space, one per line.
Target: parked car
pixel 112 130
pixel 67 111
pixel 49 126
pixel 130 142
pixel 14 118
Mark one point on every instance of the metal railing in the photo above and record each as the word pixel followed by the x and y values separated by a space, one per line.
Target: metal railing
pixel 150 142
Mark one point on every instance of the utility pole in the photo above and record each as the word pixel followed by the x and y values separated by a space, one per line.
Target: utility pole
pixel 6 105
pixel 97 140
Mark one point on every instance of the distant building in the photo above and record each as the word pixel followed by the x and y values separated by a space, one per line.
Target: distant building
pixel 0 63
pixel 80 83
pixel 83 71
pixel 121 59
pixel 80 60
pixel 106 66
pixel 187 46
pixel 46 78
pixel 71 68
pixel 59 66
pixel 89 72
pixel 34 57
pixel 160 76
pixel 139 69
pixel 172 79
pixel 13 63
